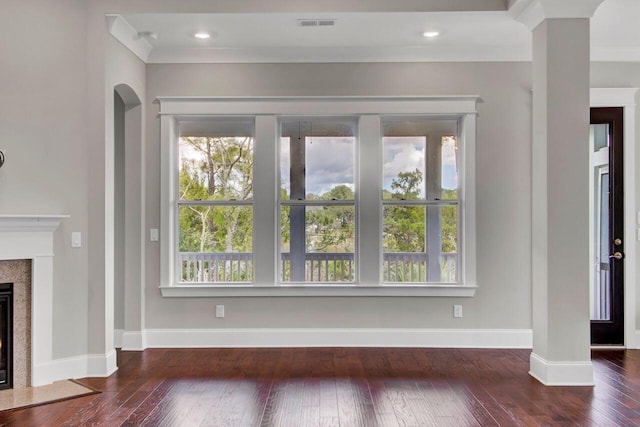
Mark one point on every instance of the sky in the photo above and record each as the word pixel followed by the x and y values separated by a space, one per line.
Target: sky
pixel 330 161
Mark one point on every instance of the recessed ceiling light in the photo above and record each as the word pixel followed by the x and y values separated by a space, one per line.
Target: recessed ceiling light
pixel 431 34
pixel 202 35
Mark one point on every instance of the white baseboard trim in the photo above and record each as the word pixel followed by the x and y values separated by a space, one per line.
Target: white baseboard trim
pixel 635 345
pixel 59 369
pixel 101 365
pixel 134 340
pixel 117 337
pixel 300 337
pixel 574 373
pixel 92 365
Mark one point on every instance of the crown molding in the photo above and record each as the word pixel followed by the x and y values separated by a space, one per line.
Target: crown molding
pixel 122 31
pixel 532 12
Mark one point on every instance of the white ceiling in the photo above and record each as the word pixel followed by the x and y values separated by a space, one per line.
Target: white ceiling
pixel 367 36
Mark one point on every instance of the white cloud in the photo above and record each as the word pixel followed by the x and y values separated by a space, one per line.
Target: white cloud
pixel 329 162
pixel 402 154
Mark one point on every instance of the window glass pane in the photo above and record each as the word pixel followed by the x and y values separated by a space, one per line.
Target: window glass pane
pixel 216 166
pixel 403 171
pixel 420 243
pixel 215 243
pixel 419 159
pixel 322 249
pixel 317 159
pixel 600 135
pixel 449 169
pixel 601 305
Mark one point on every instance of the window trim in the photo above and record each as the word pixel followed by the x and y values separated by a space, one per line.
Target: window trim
pixel 267 112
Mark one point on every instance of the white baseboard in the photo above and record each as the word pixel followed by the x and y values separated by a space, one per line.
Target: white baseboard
pixel 92 365
pixel 101 365
pixel 299 337
pixel 574 373
pixel 635 345
pixel 59 369
pixel 117 337
pixel 134 340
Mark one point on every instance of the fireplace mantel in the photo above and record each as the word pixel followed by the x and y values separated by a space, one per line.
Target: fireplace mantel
pixel 30 222
pixel 31 237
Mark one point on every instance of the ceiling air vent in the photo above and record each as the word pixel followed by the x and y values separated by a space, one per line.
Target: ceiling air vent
pixel 316 22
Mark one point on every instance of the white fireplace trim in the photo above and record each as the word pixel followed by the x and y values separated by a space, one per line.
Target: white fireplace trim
pixel 31 237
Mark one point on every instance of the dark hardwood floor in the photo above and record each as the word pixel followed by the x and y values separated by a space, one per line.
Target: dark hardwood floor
pixel 343 387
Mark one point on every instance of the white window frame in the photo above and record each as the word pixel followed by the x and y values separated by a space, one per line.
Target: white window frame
pixel 267 112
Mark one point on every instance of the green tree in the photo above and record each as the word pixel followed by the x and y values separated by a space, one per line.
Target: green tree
pixel 404 226
pixel 449 223
pixel 216 168
pixel 332 227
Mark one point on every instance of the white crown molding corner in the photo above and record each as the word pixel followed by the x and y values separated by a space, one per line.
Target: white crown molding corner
pixel 532 12
pixel 301 337
pixel 122 31
pixel 570 373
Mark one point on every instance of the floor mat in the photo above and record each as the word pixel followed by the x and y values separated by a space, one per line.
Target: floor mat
pixel 32 396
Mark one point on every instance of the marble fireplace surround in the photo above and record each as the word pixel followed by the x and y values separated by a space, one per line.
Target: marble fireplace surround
pixel 31 237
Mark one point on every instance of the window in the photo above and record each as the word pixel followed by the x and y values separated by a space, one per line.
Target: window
pixel 420 201
pixel 214 202
pixel 317 196
pixel 317 201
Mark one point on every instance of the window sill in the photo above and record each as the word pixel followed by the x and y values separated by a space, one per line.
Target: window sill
pixel 318 291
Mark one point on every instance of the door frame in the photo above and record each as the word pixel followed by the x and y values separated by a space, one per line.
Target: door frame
pixel 626 98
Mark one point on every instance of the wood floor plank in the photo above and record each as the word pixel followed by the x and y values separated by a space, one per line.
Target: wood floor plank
pixel 338 387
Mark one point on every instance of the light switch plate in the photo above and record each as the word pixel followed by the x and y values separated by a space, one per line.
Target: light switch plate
pixel 154 235
pixel 76 239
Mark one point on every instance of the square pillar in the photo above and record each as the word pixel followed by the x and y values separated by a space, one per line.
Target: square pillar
pixel 560 198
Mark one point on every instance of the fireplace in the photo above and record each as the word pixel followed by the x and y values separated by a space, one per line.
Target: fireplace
pixel 28 241
pixel 6 335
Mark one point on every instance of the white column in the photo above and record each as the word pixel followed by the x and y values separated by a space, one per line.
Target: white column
pixel 560 193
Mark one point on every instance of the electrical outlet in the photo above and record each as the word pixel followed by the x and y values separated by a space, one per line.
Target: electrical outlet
pixel 219 310
pixel 153 235
pixel 457 311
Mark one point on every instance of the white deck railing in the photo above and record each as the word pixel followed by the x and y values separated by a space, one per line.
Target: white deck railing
pixel 398 267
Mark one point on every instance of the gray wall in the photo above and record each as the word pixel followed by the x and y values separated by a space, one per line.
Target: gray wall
pixel 503 193
pixel 53 126
pixel 43 129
